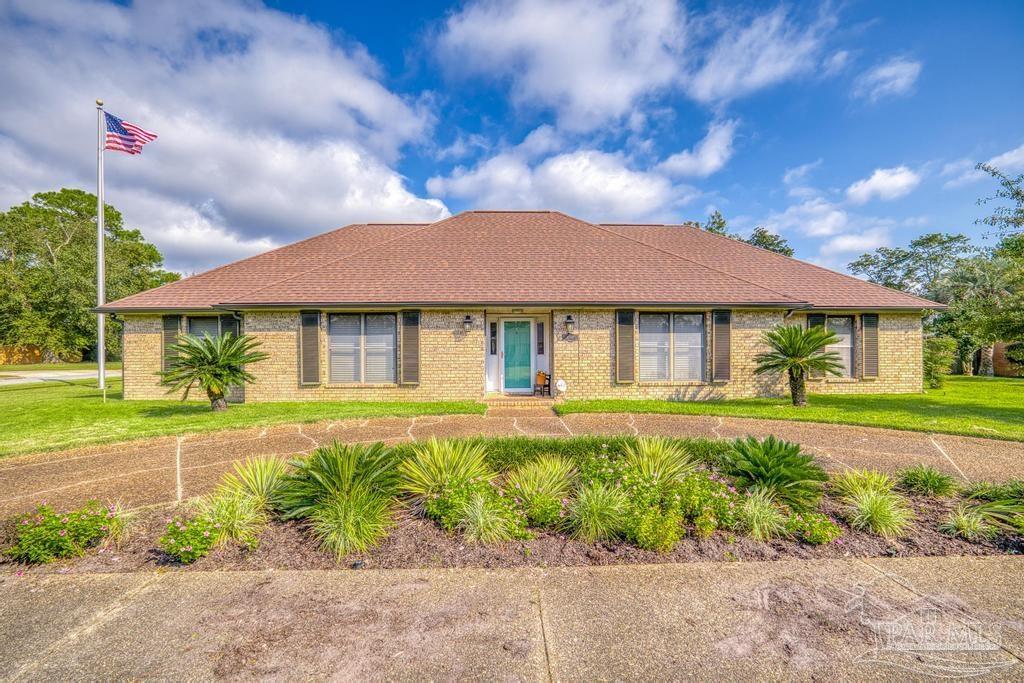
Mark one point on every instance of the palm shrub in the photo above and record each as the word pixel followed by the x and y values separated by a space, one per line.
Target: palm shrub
pixel 798 352
pixel 260 478
pixel 923 480
pixel 353 522
pixel 331 472
pixel 597 512
pixel 760 516
pixel 659 460
pixel 214 364
pixel 541 486
pixel 778 467
pixel 442 476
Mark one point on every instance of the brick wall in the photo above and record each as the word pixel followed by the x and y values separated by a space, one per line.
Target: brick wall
pixel 452 360
pixel 585 359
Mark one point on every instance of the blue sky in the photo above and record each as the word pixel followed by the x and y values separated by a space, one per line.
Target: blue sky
pixel 842 126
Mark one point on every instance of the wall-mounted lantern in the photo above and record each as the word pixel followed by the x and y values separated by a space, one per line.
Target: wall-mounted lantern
pixel 570 324
pixel 467 323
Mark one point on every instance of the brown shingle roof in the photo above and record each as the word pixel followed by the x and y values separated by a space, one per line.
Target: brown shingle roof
pixel 517 257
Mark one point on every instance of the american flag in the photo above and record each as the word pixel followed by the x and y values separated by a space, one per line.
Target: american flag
pixel 126 137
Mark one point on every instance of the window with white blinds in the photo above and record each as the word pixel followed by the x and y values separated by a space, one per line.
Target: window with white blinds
pixel 204 326
pixel 362 347
pixel 842 327
pixel 671 347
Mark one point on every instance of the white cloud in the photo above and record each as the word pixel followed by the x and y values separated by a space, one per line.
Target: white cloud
pixel 884 183
pixel 771 48
pixel 708 156
pixel 895 77
pixel 815 217
pixel 836 62
pixel 855 242
pixel 965 173
pixel 589 61
pixel 270 129
pixel 795 180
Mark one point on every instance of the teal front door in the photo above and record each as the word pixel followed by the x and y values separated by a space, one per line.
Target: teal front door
pixel 518 355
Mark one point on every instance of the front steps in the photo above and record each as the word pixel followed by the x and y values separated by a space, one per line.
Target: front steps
pixel 519 406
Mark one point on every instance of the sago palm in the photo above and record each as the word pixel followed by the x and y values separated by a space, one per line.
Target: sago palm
pixel 214 364
pixel 798 352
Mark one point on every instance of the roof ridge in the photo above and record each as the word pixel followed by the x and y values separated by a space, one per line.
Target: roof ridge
pixel 699 263
pixel 423 226
pixel 816 266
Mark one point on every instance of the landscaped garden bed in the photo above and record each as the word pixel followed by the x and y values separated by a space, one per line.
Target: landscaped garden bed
pixel 523 502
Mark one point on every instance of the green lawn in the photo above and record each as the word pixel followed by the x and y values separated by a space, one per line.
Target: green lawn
pixel 111 365
pixel 973 406
pixel 41 417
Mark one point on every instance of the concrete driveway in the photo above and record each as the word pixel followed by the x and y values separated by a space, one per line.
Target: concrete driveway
pixel 173 468
pixel 822 620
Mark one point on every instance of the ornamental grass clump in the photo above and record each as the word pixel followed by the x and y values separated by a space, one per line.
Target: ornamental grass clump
pixel 922 480
pixel 792 478
pixel 236 517
pixel 967 524
pixel 353 522
pixel 489 518
pixel 442 476
pixel 596 512
pixel 853 482
pixel 259 478
pixel 46 534
pixel 658 460
pixel 760 516
pixel 880 512
pixel 540 487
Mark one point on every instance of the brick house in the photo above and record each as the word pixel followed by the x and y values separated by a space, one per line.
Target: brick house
pixel 478 303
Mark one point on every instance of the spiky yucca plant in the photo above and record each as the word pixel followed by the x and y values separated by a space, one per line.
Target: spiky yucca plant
pixel 260 478
pixel 214 364
pixel 332 472
pixel 798 352
pixel 778 467
pixel 438 465
pixel 659 460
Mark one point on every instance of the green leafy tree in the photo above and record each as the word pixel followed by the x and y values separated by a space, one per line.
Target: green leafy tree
pixel 916 268
pixel 798 352
pixel 48 272
pixel 1007 219
pixel 938 359
pixel 770 241
pixel 716 224
pixel 214 364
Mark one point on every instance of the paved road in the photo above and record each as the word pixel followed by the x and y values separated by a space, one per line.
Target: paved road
pixel 8 377
pixel 821 620
pixel 173 468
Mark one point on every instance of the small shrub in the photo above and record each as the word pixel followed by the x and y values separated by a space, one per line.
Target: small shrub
pixel 447 508
pixel 792 477
pixel 597 512
pixel 880 512
pixel 601 467
pixel 540 486
pixel 705 524
pixel 853 483
pixel 119 523
pixel 813 527
pixel 708 498
pixel 236 516
pixel 659 460
pixel 968 524
pixel 261 479
pixel 188 540
pixel 436 466
pixel 354 521
pixel 938 356
pixel 708 451
pixel 332 471
pixel 46 535
pixel 986 490
pixel 658 530
pixel 922 480
pixel 760 516
pixel 489 518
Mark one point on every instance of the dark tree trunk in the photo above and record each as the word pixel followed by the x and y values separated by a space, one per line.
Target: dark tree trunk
pixel 986 367
pixel 217 402
pixel 798 388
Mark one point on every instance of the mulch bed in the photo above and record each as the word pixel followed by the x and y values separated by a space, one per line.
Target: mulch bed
pixel 415 543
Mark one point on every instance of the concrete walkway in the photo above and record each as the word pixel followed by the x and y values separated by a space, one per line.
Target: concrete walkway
pixel 173 468
pixel 822 620
pixel 9 377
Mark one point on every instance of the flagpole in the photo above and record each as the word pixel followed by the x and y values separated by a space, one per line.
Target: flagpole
pixel 101 348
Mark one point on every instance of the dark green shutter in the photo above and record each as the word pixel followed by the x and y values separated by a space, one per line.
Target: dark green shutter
pixel 171 329
pixel 409 349
pixel 721 330
pixel 309 347
pixel 869 337
pixel 625 344
pixel 229 324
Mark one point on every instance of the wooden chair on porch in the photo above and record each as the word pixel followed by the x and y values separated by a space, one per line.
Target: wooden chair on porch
pixel 542 384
